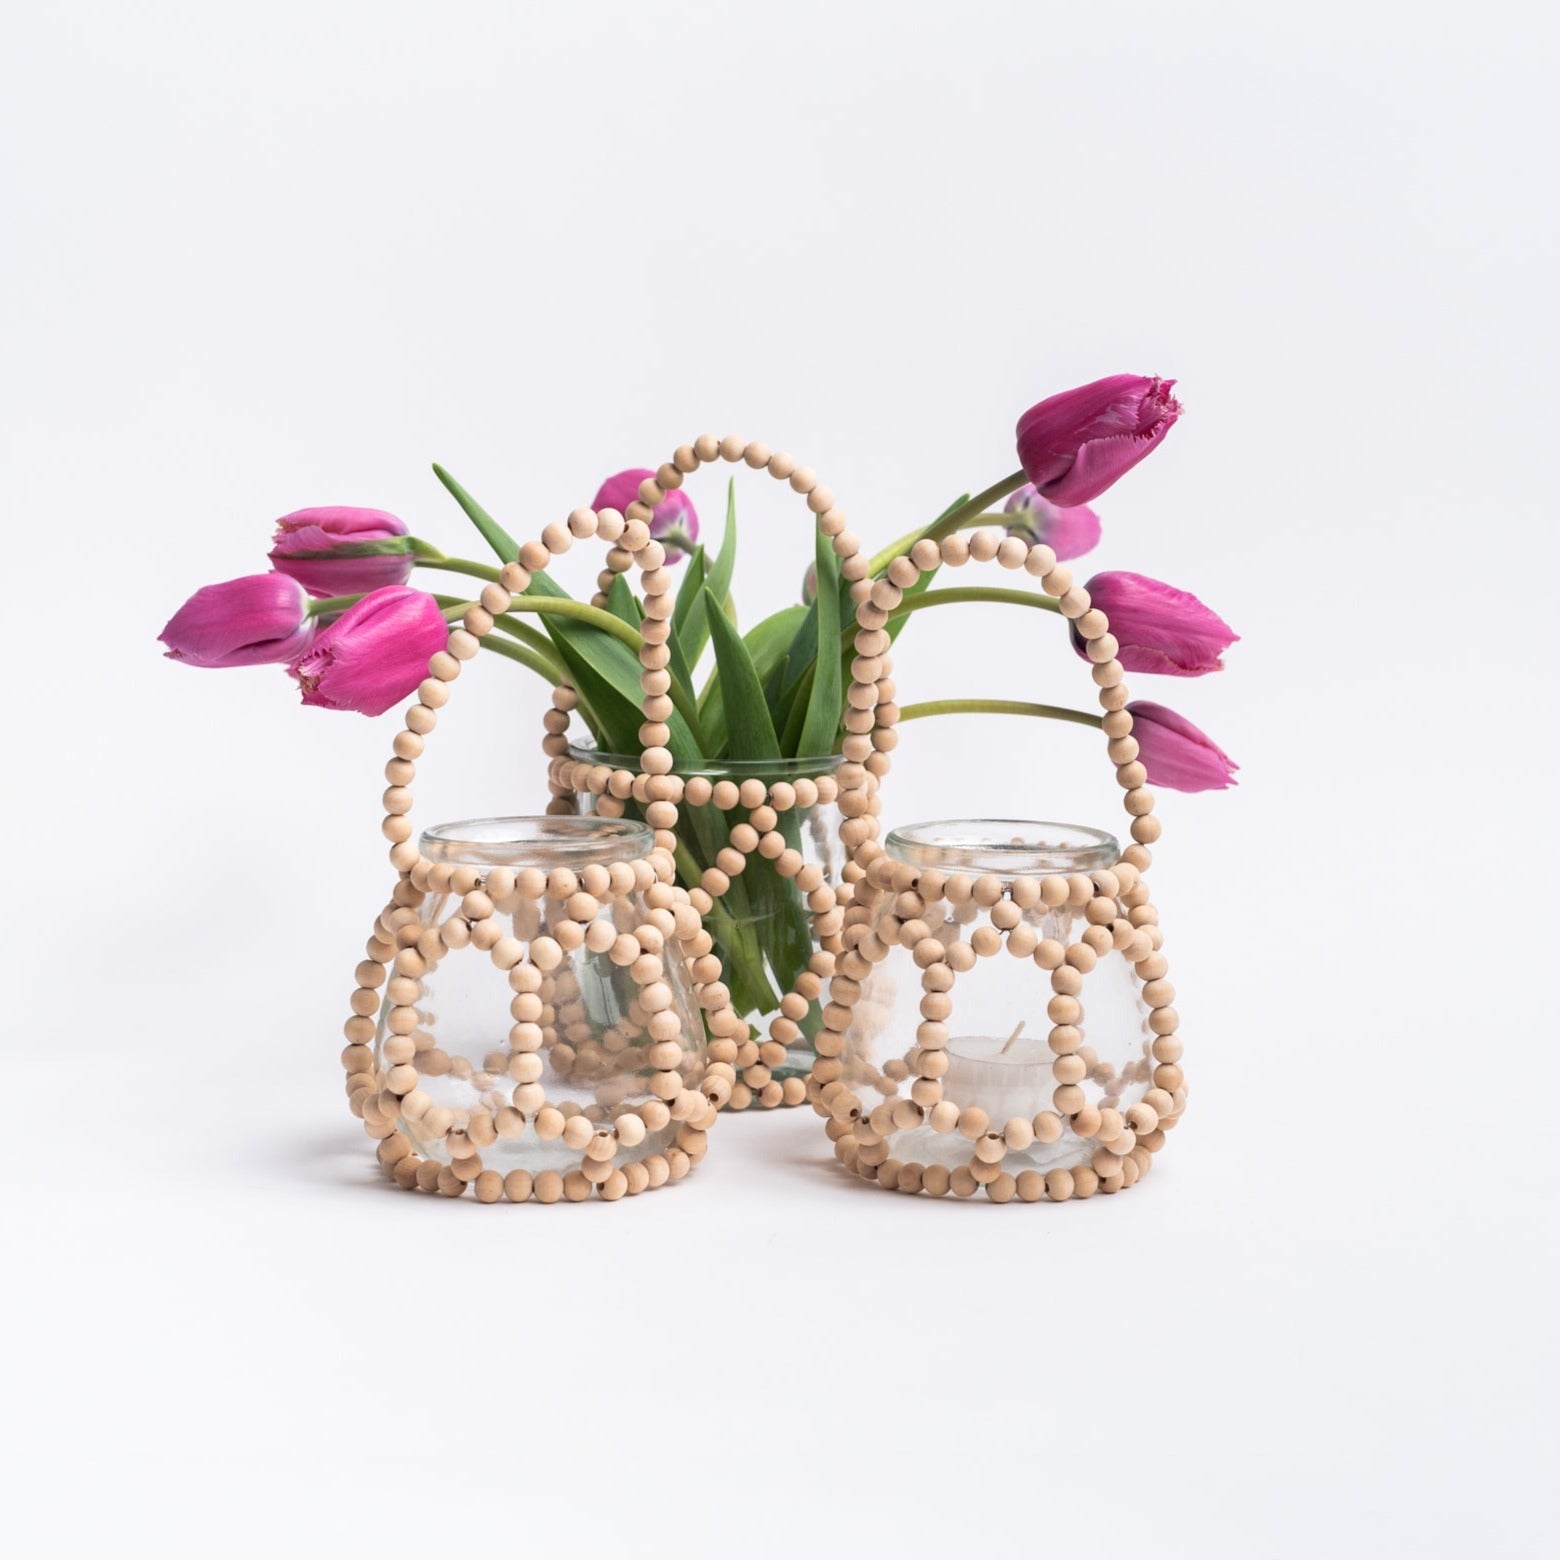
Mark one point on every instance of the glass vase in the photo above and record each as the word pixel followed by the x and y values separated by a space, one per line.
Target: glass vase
pixel 762 924
pixel 1001 1021
pixel 541 1014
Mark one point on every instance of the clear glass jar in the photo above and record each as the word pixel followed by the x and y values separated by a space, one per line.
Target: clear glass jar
pixel 762 926
pixel 973 1028
pixel 528 1016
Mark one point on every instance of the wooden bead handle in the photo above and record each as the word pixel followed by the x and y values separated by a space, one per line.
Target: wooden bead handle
pixel 870 735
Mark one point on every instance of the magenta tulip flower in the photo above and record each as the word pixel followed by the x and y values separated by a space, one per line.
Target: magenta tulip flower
pixel 1157 627
pixel 374 654
pixel 1176 754
pixel 1074 445
pixel 674 518
pixel 340 551
pixel 247 622
pixel 1069 533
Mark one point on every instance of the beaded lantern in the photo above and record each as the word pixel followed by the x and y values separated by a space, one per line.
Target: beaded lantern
pixel 936 902
pixel 624 909
pixel 785 819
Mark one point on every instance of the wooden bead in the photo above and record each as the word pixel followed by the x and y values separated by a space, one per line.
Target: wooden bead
pixel 973 1122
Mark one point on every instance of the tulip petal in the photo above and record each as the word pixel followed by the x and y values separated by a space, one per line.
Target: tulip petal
pixel 1074 445
pixel 1178 755
pixel 338 550
pixel 374 654
pixel 253 621
pixel 1100 463
pixel 1159 628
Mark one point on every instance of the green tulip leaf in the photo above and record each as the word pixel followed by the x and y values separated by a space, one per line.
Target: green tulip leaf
pixel 607 672
pixel 693 624
pixel 821 720
pixel 622 603
pixel 766 644
pixel 502 543
pixel 750 732
pixel 690 596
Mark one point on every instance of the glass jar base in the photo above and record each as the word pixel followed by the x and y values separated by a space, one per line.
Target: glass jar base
pixel 923 1145
pixel 538 1154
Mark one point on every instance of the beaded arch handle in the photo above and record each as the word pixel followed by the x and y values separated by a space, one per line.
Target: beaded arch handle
pixel 1116 907
pixel 852 786
pixel 384 1090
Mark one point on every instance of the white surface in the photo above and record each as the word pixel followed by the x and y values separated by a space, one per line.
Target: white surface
pixel 261 257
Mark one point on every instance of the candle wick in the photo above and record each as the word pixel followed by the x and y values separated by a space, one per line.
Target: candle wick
pixel 1011 1038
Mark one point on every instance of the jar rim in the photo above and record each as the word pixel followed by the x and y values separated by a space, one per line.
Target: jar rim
pixel 556 839
pixel 1004 847
pixel 807 766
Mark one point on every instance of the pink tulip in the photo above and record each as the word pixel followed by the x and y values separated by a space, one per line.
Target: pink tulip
pixel 1157 627
pixel 1074 445
pixel 1069 533
pixel 245 622
pixel 340 551
pixel 674 513
pixel 1175 753
pixel 374 654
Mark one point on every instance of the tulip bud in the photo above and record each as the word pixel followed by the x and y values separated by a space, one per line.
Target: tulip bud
pixel 1175 753
pixel 810 585
pixel 1157 627
pixel 246 622
pixel 675 513
pixel 339 551
pixel 374 654
pixel 1074 445
pixel 1069 533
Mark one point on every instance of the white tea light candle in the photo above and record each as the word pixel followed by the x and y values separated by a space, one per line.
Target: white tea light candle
pixel 1005 1076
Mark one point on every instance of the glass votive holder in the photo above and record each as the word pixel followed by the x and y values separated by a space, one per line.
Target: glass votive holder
pixel 999 1018
pixel 538 1033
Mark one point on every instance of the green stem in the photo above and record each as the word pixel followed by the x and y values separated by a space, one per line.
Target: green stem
pixel 330 604
pixel 544 668
pixel 962 593
pixel 540 645
pixel 977 505
pixel 676 540
pixel 562 606
pixel 478 571
pixel 520 653
pixel 972 513
pixel 999 707
pixel 583 612
pixel 748 975
pixel 607 622
pixel 967 593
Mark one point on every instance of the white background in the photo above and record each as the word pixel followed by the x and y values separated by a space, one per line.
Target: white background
pixel 260 257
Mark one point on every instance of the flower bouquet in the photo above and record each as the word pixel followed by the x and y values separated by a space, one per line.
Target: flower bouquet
pixel 337 610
